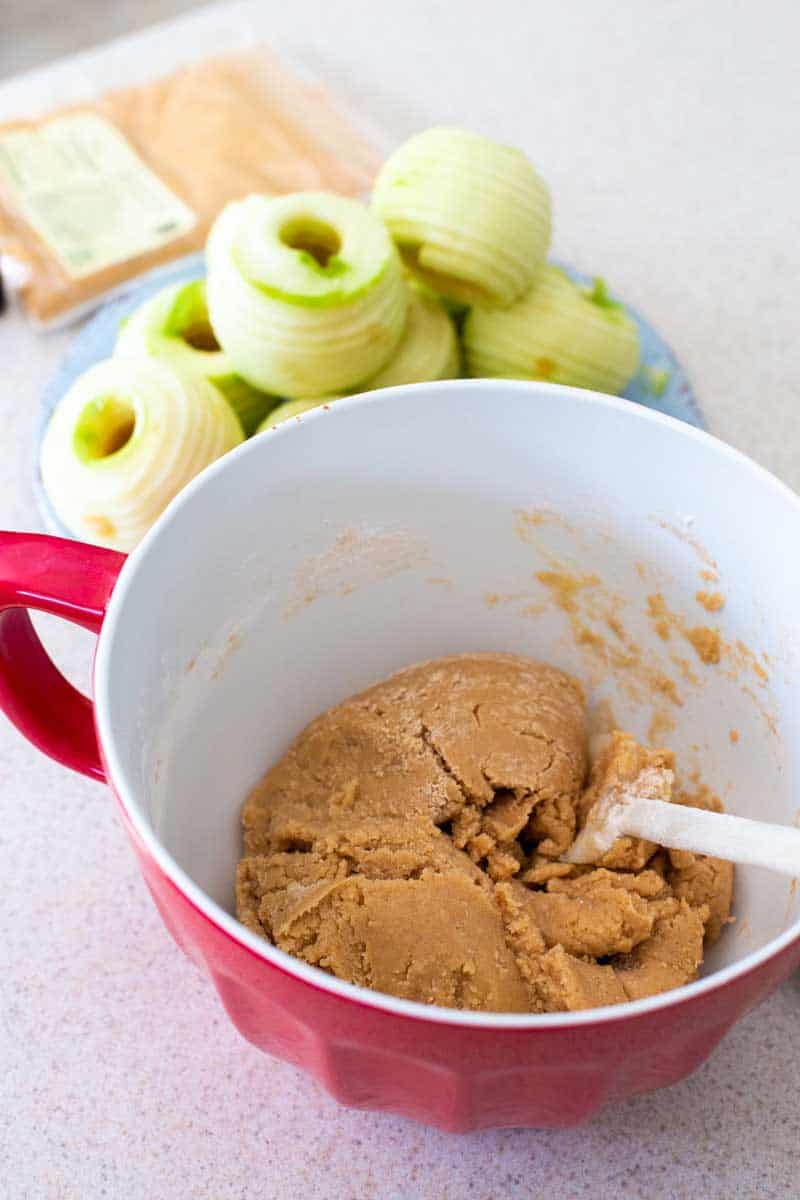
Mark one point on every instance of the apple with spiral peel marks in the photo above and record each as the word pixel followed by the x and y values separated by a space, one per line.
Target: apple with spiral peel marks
pixel 470 216
pixel 559 332
pixel 428 350
pixel 124 440
pixel 174 325
pixel 306 292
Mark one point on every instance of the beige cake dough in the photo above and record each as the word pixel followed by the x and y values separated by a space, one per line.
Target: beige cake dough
pixel 409 841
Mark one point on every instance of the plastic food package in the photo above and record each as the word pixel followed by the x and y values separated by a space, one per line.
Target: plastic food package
pixel 96 193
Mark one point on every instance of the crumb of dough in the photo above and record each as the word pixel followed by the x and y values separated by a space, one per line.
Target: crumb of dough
pixel 552 826
pixel 706 642
pixel 408 842
pixel 711 601
pixel 564 587
pixel 659 615
pixel 587 637
pixel 664 686
pixel 543 869
pixel 733 734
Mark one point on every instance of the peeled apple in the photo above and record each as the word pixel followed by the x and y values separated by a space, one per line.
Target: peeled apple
pixel 306 292
pixel 428 349
pixel 174 325
pixel 470 216
pixel 124 440
pixel 559 332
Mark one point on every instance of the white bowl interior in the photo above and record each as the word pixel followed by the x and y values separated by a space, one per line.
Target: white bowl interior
pixel 321 557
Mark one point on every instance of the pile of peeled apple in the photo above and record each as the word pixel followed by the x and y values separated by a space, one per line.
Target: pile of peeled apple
pixel 309 297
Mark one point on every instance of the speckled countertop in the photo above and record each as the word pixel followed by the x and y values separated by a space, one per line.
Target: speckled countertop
pixel 668 135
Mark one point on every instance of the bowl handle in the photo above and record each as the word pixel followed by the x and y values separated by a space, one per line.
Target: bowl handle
pixel 70 580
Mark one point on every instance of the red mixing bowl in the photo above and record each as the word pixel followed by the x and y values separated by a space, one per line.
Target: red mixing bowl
pixel 320 557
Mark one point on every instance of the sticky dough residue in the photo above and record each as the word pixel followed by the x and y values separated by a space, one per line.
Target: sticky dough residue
pixel 711 601
pixel 711 570
pixel 711 648
pixel 356 557
pixel 704 640
pixel 597 622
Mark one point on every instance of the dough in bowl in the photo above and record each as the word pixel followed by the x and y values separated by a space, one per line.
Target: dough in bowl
pixel 409 841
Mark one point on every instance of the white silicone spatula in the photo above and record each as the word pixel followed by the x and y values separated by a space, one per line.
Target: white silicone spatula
pixel 678 827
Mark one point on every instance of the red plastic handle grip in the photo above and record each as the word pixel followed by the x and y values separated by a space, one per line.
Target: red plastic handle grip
pixel 70 580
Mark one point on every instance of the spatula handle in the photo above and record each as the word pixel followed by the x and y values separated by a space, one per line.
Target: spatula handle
pixel 738 839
